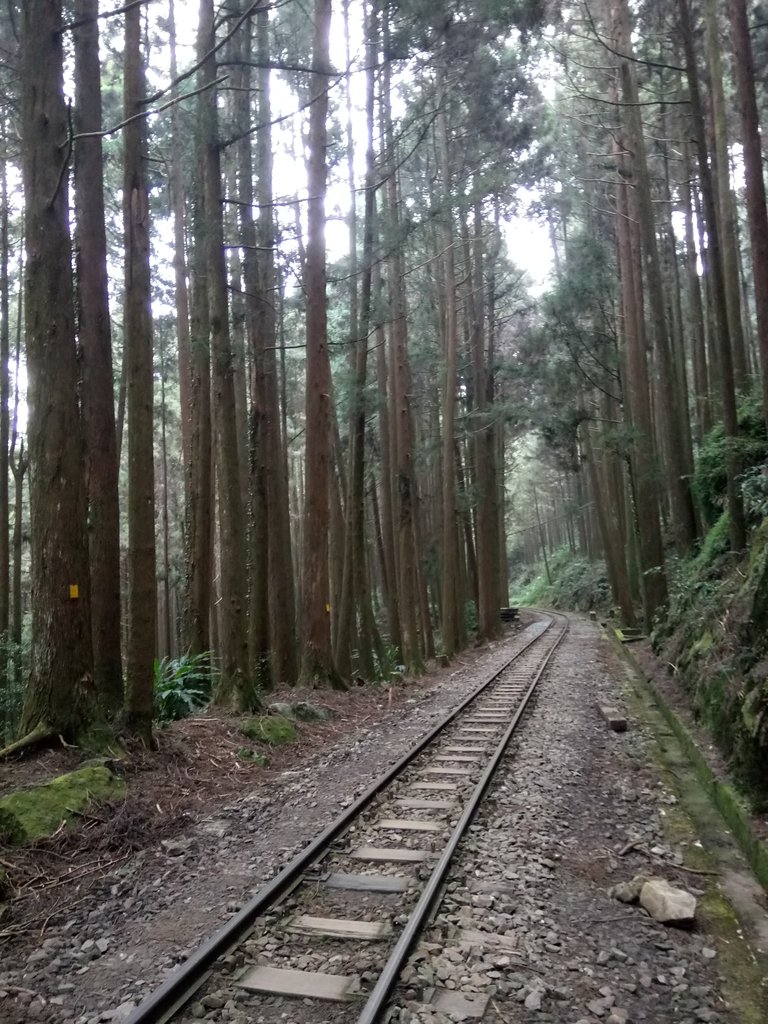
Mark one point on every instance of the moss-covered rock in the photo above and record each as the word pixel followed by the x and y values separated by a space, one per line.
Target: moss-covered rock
pixel 275 730
pixel 39 812
pixel 281 707
pixel 302 711
pixel 312 712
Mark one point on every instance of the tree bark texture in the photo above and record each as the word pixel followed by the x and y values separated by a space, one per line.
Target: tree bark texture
pixel 317 667
pixel 60 693
pixel 235 686
pixel 738 530
pixel 95 336
pixel 142 582
pixel 744 67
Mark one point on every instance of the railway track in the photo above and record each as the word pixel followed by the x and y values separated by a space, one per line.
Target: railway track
pixel 337 924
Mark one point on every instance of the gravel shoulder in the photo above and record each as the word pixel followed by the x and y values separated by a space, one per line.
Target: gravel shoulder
pixel 575 810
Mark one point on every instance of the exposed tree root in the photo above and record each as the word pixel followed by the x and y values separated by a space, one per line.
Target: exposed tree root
pixel 39 734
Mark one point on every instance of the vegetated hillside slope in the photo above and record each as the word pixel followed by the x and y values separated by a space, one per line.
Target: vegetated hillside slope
pixel 574 583
pixel 715 633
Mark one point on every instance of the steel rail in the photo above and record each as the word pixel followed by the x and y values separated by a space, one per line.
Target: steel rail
pixel 162 1003
pixel 416 922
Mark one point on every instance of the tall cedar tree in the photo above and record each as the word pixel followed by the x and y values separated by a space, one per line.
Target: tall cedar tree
pixel 317 666
pixel 235 685
pixel 60 695
pixel 96 346
pixel 744 68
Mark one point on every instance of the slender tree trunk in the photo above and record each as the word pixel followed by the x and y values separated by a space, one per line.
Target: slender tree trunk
pixel 388 548
pixel 5 398
pixel 637 396
pixel 679 474
pixel 258 337
pixel 96 347
pixel 177 192
pixel 317 665
pixel 400 386
pixel 738 531
pixel 235 686
pixel 167 647
pixel 282 596
pixel 449 602
pixel 198 468
pixel 354 589
pixel 18 468
pixel 744 68
pixel 695 308
pixel 489 621
pixel 725 208
pixel 142 585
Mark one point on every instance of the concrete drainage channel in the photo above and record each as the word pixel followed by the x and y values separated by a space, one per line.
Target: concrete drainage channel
pixel 335 927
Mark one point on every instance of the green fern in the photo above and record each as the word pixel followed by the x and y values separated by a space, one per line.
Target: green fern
pixel 182 685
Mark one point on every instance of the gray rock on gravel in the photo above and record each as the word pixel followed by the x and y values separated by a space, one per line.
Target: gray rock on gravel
pixel 533 1000
pixel 667 903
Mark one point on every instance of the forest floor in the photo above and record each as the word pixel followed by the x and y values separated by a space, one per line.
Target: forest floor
pixel 104 911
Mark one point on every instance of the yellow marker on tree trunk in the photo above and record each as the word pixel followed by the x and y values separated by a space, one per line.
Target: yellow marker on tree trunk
pixel 74 591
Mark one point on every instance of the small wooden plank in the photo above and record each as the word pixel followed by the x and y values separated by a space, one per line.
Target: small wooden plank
pixel 409 825
pixel 339 928
pixel 464 772
pixel 464 749
pixel 629 635
pixel 369 883
pixel 616 721
pixel 303 984
pixel 458 758
pixel 393 854
pixel 445 787
pixel 417 804
pixel 478 730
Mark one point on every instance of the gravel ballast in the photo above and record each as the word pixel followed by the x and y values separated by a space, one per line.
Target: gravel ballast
pixel 576 809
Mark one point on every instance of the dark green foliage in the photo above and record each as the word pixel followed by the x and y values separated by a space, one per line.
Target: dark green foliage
pixel 182 686
pixel 709 482
pixel 571 348
pixel 715 546
pixel 470 617
pixel 389 665
pixel 715 635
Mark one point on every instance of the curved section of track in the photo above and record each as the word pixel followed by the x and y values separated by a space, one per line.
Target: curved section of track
pixel 433 792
